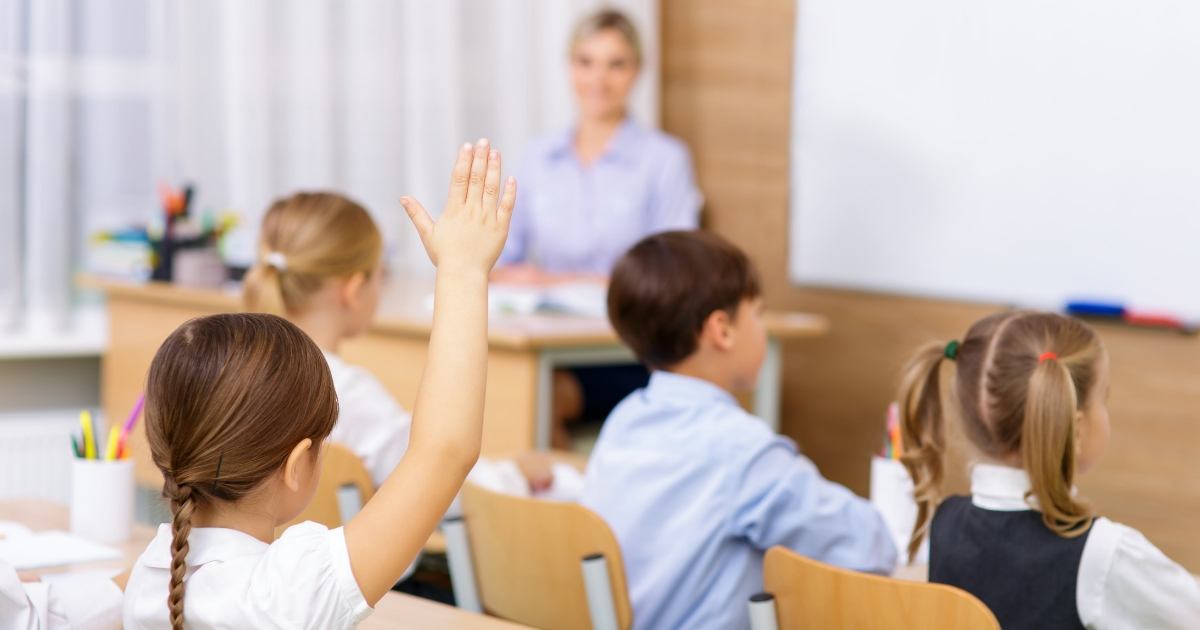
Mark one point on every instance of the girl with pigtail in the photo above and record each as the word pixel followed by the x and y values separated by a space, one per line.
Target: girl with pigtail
pixel 238 408
pixel 1030 390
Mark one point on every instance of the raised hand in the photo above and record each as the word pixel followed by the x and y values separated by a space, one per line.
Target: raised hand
pixel 472 229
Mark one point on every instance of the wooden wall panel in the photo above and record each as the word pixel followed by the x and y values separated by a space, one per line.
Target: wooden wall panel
pixel 726 91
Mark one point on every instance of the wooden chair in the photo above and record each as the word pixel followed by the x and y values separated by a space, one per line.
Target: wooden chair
pixel 542 563
pixel 810 594
pixel 341 468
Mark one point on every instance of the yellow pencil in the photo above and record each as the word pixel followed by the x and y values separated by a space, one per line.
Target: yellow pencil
pixel 89 438
pixel 110 448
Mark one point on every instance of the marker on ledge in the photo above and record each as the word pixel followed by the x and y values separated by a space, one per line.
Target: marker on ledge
pixel 1131 317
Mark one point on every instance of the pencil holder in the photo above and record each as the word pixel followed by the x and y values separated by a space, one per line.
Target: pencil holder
pixel 102 499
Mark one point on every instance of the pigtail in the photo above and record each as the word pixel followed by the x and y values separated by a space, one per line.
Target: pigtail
pixel 922 431
pixel 1048 447
pixel 183 506
pixel 263 290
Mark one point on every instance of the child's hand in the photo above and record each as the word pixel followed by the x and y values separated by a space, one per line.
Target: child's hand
pixel 471 231
pixel 537 470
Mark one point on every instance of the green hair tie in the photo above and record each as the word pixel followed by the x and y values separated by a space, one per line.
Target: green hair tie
pixel 951 350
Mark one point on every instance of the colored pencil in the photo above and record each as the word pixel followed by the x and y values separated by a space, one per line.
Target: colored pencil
pixel 89 435
pixel 122 452
pixel 110 447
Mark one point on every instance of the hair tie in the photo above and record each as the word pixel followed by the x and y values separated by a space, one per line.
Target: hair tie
pixel 951 350
pixel 1047 355
pixel 219 461
pixel 276 260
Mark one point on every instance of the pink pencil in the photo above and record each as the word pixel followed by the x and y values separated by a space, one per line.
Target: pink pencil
pixel 133 416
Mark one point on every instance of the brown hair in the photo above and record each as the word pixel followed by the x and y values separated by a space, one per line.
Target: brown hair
pixel 606 20
pixel 227 399
pixel 316 236
pixel 665 287
pixel 1010 401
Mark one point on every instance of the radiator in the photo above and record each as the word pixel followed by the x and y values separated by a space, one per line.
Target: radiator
pixel 35 454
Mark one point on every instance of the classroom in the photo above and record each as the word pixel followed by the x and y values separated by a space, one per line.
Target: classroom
pixel 728 314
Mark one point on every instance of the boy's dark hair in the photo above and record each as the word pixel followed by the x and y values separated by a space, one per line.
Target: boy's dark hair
pixel 665 287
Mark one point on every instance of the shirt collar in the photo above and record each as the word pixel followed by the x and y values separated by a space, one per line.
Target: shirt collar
pixel 1000 488
pixel 205 544
pixel 621 147
pixel 668 385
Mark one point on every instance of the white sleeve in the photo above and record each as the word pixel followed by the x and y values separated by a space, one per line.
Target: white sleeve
pixel 371 423
pixel 304 581
pixel 85 604
pixel 23 606
pixel 1126 582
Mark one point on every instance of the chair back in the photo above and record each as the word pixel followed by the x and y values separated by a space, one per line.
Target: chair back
pixel 810 594
pixel 527 555
pixel 341 468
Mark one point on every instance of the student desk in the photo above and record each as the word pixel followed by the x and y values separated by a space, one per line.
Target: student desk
pixel 395 610
pixel 523 351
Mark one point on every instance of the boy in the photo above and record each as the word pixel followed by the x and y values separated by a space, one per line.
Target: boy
pixel 695 488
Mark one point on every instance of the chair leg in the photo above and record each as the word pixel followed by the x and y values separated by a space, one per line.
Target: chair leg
pixel 462 568
pixel 599 593
pixel 762 612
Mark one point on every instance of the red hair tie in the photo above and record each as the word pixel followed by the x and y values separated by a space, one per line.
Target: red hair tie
pixel 1047 355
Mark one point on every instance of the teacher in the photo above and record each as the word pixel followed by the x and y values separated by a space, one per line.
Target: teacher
pixel 589 192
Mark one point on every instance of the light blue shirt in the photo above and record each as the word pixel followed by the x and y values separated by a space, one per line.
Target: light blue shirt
pixel 576 218
pixel 696 490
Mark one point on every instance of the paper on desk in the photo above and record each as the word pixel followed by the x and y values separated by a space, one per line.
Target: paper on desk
pixel 587 299
pixel 892 497
pixel 69 578
pixel 26 550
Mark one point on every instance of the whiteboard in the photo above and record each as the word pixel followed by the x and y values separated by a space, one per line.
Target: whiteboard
pixel 1017 151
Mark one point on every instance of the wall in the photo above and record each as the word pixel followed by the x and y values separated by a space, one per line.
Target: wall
pixel 726 91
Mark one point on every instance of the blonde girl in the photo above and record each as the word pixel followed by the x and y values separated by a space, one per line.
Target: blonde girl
pixel 1030 390
pixel 238 408
pixel 321 267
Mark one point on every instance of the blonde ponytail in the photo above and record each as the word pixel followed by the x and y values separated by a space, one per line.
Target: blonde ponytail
pixel 307 239
pixel 922 429
pixel 1048 447
pixel 1020 383
pixel 262 290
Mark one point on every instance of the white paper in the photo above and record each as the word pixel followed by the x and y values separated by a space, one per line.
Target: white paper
pixel 25 551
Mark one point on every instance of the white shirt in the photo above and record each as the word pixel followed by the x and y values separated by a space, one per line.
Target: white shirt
pixel 1124 580
pixel 81 604
pixel 234 580
pixel 371 423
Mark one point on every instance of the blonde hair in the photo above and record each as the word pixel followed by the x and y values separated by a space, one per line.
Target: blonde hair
pixel 605 20
pixel 228 398
pixel 1021 379
pixel 306 239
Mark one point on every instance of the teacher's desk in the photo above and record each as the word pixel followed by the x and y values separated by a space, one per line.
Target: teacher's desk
pixel 523 351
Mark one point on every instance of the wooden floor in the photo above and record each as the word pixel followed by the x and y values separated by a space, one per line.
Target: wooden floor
pixel 727 91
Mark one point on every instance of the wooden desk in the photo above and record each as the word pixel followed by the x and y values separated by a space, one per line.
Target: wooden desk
pixel 395 610
pixel 523 351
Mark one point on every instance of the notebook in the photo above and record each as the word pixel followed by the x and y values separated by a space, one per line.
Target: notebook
pixel 25 549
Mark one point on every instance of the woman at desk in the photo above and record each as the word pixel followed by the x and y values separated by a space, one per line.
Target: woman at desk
pixel 590 192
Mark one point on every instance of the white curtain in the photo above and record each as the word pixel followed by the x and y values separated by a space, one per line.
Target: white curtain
pixel 254 99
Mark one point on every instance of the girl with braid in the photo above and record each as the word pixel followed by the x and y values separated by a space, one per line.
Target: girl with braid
pixel 238 408
pixel 1030 390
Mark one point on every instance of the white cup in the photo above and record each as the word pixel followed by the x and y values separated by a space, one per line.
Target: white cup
pixel 102 499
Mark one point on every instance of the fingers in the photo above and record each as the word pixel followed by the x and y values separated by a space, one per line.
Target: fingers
pixel 478 173
pixel 491 181
pixel 507 200
pixel 462 173
pixel 418 215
